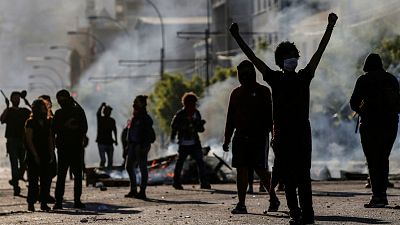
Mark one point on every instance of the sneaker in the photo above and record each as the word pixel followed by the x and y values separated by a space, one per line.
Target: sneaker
pixel 17 191
pixel 273 206
pixel 205 186
pixel 141 195
pixel 31 207
pixel 177 186
pixel 51 199
pixel 376 203
pixel 367 185
pixel 45 207
pixel 57 205
pixel 250 190
pixel 79 205
pixel 239 209
pixel 131 194
pixel 295 221
pixel 281 187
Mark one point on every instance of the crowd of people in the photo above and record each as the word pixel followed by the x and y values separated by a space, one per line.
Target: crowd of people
pixel 254 112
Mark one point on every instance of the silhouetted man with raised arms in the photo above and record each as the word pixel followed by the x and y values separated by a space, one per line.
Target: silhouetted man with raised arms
pixel 292 131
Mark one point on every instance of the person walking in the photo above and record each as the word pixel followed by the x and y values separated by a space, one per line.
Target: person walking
pixel 105 128
pixel 376 99
pixel 186 124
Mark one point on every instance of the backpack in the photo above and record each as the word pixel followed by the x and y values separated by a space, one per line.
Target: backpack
pixel 384 100
pixel 151 135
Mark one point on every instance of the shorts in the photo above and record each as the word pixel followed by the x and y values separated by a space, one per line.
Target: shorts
pixel 250 152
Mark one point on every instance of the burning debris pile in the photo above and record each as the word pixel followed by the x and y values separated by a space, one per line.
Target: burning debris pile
pixel 161 171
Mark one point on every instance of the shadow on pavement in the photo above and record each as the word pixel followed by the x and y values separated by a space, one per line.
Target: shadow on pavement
pixel 350 219
pixel 95 208
pixel 338 194
pixel 176 202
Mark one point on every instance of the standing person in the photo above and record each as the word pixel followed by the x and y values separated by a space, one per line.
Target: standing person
pixel 40 145
pixel 105 128
pixel 376 99
pixel 15 117
pixel 250 117
pixel 70 127
pixel 124 143
pixel 187 123
pixel 53 165
pixel 292 131
pixel 140 137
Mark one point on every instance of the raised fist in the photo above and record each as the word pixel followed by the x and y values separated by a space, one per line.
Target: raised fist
pixel 332 19
pixel 234 28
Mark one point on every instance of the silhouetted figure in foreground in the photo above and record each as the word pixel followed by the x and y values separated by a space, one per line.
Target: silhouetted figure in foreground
pixel 187 123
pixel 40 145
pixel 105 128
pixel 70 127
pixel 376 99
pixel 15 117
pixel 292 131
pixel 250 117
pixel 140 137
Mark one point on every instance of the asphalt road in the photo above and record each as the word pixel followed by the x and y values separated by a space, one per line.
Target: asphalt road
pixel 339 202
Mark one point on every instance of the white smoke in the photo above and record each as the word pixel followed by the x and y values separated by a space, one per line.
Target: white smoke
pixel 335 144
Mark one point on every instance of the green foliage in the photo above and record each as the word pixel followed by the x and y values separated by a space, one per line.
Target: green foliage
pixel 221 74
pixel 389 50
pixel 166 97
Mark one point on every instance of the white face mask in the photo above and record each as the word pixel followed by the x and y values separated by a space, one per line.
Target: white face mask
pixel 290 64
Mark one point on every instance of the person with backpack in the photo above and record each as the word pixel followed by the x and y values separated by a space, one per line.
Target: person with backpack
pixel 140 137
pixel 376 99
pixel 186 124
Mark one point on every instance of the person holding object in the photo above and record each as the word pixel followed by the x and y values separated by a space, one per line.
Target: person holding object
pixel 186 124
pixel 376 99
pixel 292 131
pixel 105 128
pixel 250 119
pixel 15 117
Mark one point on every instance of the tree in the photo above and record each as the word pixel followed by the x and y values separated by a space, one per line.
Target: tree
pixel 166 97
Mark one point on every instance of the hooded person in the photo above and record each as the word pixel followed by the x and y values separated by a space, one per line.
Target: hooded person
pixel 376 99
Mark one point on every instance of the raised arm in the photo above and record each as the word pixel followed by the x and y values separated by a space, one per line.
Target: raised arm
pixel 258 63
pixel 324 42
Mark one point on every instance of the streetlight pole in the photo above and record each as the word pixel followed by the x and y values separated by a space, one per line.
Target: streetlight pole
pixel 162 50
pixel 53 70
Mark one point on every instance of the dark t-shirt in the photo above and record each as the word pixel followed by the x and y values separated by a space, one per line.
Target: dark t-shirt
pixel 105 127
pixel 41 134
pixel 15 120
pixel 70 127
pixel 250 111
pixel 290 95
pixel 376 97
